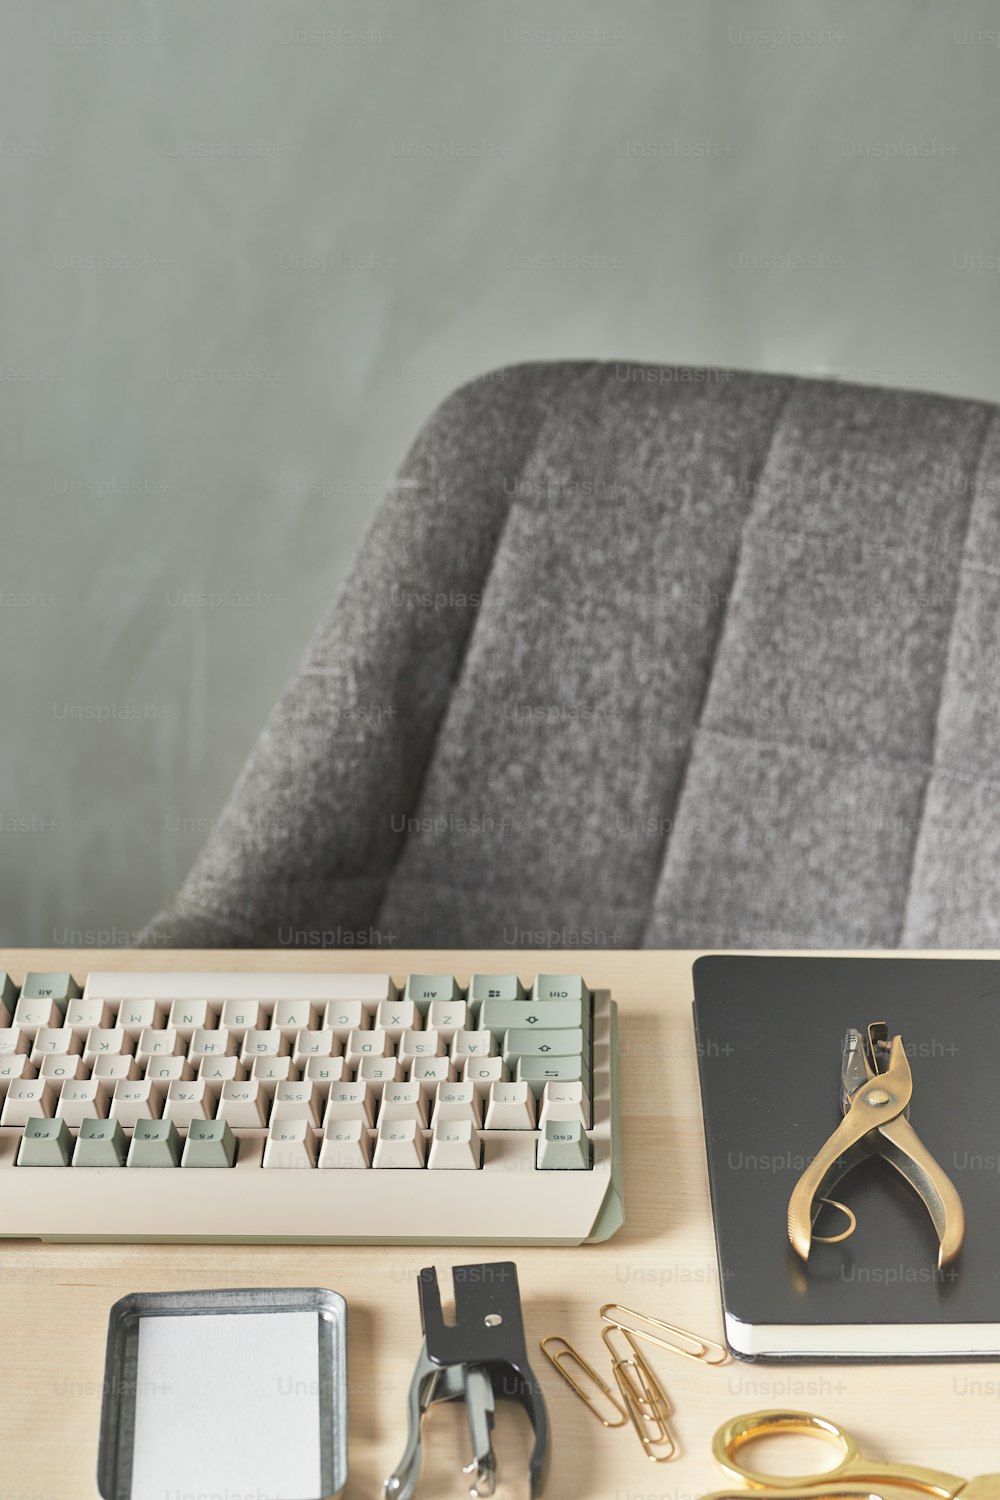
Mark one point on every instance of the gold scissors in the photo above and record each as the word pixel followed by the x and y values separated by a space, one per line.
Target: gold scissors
pixel 875 1090
pixel 854 1478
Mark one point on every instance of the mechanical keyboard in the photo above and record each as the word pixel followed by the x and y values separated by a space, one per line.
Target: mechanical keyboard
pixel 422 1110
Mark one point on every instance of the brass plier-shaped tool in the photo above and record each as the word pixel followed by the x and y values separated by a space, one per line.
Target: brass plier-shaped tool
pixel 875 1090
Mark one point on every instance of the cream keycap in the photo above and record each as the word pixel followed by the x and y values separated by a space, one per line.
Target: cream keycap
pixel 215 1071
pixel 324 1070
pixel 13 1039
pixel 134 1100
pixel 54 1039
pixel 313 1044
pixel 15 1065
pixel 472 1044
pixel 510 1106
pixel 290 1144
pixel 106 1041
pixel 270 1071
pixel 81 1099
pixel 187 1101
pixel 350 1101
pixel 378 1071
pixel 163 1070
pixel 346 1145
pixel 396 1016
pixel 90 1015
pixel 257 1043
pixel 107 1071
pixel 241 1016
pixel 32 1012
pixel 430 1071
pixel 216 1042
pixel 565 1100
pixel 399 1144
pixel 28 1099
pixel 362 1044
pixel 293 1015
pixel 414 1044
pixel 295 1101
pixel 159 1042
pixel 245 1104
pixel 188 1016
pixel 59 1066
pixel 344 1016
pixel 483 1072
pixel 457 1101
pixel 140 1015
pixel 403 1101
pixel 455 1146
pixel 448 1016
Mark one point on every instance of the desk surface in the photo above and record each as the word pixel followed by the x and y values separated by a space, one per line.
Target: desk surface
pixel 54 1299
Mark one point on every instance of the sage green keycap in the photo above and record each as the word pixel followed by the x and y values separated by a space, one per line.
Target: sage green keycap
pixel 563 1147
pixel 155 1143
pixel 536 1072
pixel 499 1016
pixel 58 987
pixel 495 988
pixel 523 1042
pixel 45 1143
pixel 423 988
pixel 210 1143
pixel 100 1143
pixel 559 987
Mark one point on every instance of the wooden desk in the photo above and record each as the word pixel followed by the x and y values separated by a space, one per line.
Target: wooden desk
pixel 54 1299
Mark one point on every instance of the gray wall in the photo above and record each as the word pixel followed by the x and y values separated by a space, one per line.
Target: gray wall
pixel 359 206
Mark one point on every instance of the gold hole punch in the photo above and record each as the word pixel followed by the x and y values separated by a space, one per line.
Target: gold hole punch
pixel 567 1355
pixel 640 1326
pixel 646 1401
pixel 837 1239
pixel 876 1087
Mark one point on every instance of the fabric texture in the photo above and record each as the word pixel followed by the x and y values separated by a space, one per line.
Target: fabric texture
pixel 642 656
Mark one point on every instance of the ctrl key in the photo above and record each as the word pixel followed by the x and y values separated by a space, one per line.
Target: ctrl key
pixel 45 1143
pixel 563 1147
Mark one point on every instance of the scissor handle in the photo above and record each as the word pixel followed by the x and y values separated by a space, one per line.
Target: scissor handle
pixel 738 1431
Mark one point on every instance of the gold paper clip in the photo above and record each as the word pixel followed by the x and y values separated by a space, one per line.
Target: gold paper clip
pixel 646 1401
pixel 568 1355
pixel 640 1326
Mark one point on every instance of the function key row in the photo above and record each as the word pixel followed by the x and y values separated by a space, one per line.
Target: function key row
pixel 269 989
pixel 449 1145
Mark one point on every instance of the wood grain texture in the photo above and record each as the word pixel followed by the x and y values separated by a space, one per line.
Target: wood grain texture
pixel 54 1299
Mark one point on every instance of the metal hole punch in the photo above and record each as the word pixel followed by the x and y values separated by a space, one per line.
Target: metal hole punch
pixel 665 1335
pixel 875 1090
pixel 479 1357
pixel 566 1359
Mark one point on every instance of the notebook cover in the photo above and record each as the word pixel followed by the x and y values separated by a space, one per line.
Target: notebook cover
pixel 770 1035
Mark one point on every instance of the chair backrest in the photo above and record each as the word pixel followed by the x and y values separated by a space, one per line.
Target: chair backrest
pixel 643 656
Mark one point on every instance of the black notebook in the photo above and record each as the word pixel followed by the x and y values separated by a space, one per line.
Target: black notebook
pixel 770 1035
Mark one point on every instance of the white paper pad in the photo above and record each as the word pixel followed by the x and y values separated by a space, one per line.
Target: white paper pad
pixel 227 1406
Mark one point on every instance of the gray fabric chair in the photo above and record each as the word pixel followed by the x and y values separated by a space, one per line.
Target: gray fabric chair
pixel 643 656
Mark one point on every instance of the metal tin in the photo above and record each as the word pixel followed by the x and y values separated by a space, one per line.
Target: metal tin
pixel 114 1458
